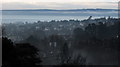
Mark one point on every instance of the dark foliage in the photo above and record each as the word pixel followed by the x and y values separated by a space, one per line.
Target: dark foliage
pixel 99 35
pixel 19 55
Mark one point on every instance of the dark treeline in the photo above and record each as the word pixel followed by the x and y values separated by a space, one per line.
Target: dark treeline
pixel 19 55
pixel 60 49
pixel 100 34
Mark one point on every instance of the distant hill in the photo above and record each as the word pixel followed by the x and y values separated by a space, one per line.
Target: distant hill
pixel 65 10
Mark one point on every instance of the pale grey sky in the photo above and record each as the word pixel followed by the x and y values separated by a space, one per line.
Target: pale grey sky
pixel 59 4
pixel 60 0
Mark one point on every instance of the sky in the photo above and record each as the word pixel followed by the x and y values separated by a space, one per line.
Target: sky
pixel 58 4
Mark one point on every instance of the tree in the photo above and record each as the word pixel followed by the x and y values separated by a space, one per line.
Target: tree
pixel 91 30
pixel 8 53
pixel 79 34
pixel 64 54
pixel 27 55
pixel 19 55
